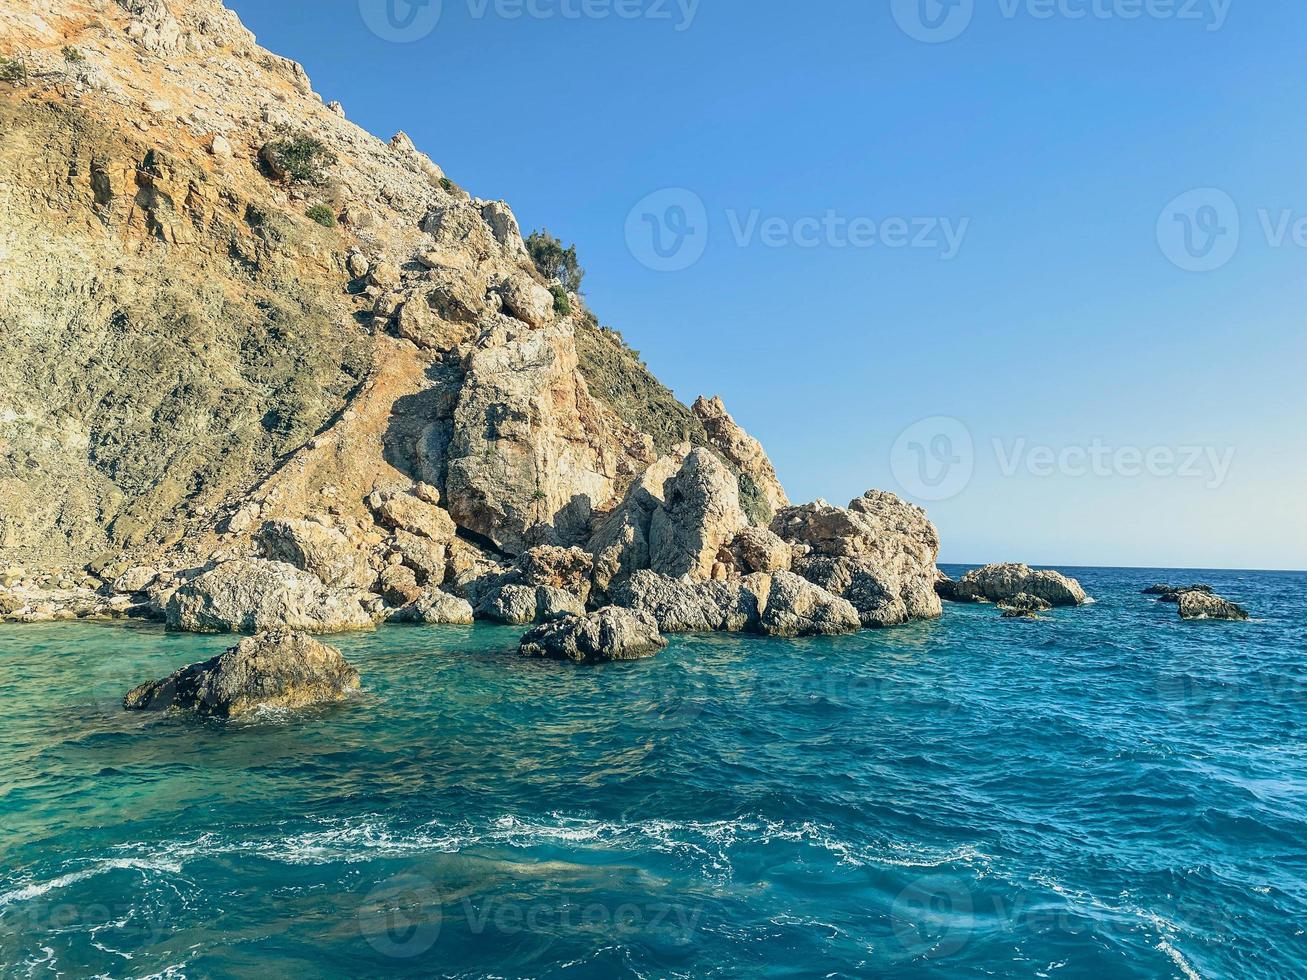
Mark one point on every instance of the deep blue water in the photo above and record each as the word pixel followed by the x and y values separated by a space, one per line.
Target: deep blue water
pixel 1110 792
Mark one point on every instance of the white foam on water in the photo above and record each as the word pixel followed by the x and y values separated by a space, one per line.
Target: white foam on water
pixel 1178 959
pixel 39 888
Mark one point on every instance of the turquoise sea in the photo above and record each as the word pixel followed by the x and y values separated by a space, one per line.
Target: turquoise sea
pixel 1110 792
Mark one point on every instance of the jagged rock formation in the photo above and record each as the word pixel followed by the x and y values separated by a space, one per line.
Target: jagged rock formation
pixel 279 669
pixel 304 379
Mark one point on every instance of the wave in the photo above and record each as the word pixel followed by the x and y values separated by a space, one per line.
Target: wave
pixel 37 889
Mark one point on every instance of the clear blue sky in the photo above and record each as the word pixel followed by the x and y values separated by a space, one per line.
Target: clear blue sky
pixel 1060 321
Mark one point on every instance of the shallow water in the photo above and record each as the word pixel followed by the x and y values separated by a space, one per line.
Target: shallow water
pixel 1110 792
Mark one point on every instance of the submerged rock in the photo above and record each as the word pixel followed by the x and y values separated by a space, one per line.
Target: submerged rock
pixel 278 669
pixel 1004 582
pixel 248 595
pixel 1204 605
pixel 607 635
pixel 1025 603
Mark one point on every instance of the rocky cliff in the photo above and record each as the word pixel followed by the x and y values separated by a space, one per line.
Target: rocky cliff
pixel 238 328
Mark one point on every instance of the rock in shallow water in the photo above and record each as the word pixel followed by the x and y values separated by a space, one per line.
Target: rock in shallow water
pixel 1001 583
pixel 606 635
pixel 277 669
pixel 1204 605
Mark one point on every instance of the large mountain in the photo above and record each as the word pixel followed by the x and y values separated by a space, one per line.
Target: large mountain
pixel 180 337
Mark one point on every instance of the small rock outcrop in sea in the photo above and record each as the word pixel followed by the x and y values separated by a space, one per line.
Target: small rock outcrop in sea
pixel 1004 582
pixel 680 606
pixel 1020 614
pixel 1196 604
pixel 1169 593
pixel 436 607
pixel 607 635
pixel 1025 603
pixel 277 669
pixel 248 595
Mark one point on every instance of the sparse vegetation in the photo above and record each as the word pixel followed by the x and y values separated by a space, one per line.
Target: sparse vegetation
pixel 555 262
pixel 72 55
pixel 323 215
pixel 13 70
pixel 562 304
pixel 300 157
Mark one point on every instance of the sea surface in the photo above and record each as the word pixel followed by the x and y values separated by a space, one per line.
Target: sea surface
pixel 1109 792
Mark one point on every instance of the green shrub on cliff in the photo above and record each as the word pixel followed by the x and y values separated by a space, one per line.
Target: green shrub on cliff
pixel 12 70
pixel 300 157
pixel 323 215
pixel 72 55
pixel 562 304
pixel 554 261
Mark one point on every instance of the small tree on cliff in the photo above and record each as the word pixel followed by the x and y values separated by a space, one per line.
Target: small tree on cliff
pixel 554 261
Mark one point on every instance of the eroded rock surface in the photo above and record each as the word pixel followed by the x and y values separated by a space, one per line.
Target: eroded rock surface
pixel 606 635
pixel 1000 583
pixel 251 595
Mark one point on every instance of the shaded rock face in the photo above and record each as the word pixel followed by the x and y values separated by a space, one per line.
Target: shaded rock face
pixel 320 550
pixel 568 569
pixel 879 553
pixel 756 549
pixel 607 635
pixel 1204 605
pixel 745 452
pixel 1025 602
pixel 1000 583
pixel 700 513
pixel 521 604
pixel 796 607
pixel 277 669
pixel 679 606
pixel 250 595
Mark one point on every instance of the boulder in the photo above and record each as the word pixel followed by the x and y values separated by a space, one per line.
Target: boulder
pixel 607 635
pixel 797 607
pixel 568 569
pixel 756 549
pixel 136 580
pixel 1020 614
pixel 878 553
pixel 1204 605
pixel 277 669
pixel 407 512
pixel 398 585
pixel 527 300
pixel 680 606
pixel 249 595
pixel 428 559
pixel 517 604
pixel 1000 583
pixel 620 546
pixel 316 548
pixel 436 607
pixel 699 514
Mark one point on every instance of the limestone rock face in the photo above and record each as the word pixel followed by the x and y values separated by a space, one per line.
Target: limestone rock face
pixel 408 512
pixel 568 569
pixel 999 583
pixel 1204 605
pixel 318 549
pixel 741 449
pixel 796 607
pixel 277 669
pixel 621 544
pixel 700 513
pixel 680 606
pixel 607 635
pixel 879 553
pixel 250 595
pixel 527 300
